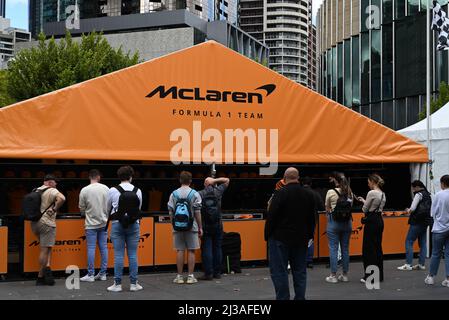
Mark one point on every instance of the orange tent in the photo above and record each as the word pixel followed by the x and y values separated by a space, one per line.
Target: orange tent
pixel 196 100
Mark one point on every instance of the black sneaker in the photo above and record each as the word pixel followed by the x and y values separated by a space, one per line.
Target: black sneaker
pixel 310 265
pixel 40 282
pixel 205 277
pixel 48 277
pixel 217 276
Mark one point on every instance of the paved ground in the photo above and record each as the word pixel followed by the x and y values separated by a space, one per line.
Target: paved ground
pixel 253 284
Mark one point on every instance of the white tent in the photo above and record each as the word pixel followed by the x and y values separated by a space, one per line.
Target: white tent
pixel 439 146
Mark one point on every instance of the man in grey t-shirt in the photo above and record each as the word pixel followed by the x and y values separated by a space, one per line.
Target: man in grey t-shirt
pixel 213 227
pixel 186 240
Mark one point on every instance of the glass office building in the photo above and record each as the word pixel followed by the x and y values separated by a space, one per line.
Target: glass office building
pixel 372 57
pixel 2 8
pixel 44 11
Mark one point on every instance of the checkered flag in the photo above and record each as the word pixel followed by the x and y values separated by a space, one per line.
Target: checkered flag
pixel 440 23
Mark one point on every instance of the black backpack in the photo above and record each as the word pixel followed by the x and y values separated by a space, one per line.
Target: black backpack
pixel 128 210
pixel 422 212
pixel 31 205
pixel 210 213
pixel 232 252
pixel 343 208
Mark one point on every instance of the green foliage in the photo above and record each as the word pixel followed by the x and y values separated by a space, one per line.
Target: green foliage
pixel 264 62
pixel 443 98
pixel 54 65
pixel 5 98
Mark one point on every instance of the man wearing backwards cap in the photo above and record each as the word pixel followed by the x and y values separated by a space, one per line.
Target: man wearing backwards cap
pixel 45 229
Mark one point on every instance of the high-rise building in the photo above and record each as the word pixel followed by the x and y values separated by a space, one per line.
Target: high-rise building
pixel 376 64
pixel 9 38
pixel 284 26
pixel 312 59
pixel 2 8
pixel 154 34
pixel 44 11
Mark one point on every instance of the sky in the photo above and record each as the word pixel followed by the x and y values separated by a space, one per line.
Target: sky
pixel 315 6
pixel 17 11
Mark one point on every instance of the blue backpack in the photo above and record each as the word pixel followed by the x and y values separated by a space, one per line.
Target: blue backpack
pixel 183 215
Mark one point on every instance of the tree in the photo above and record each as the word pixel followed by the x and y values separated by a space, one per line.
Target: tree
pixel 5 98
pixel 51 66
pixel 443 98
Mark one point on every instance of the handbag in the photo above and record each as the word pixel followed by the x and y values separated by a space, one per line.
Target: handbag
pixel 365 218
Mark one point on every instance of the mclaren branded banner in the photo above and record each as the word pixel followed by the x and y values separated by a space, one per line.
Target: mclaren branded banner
pixel 71 246
pixel 203 104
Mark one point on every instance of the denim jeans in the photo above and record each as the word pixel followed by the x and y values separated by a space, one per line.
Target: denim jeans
pixel 279 255
pixel 416 231
pixel 439 240
pixel 310 253
pixel 92 236
pixel 129 237
pixel 338 234
pixel 211 253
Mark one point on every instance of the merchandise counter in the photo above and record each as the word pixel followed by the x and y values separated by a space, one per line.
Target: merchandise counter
pixel 155 246
pixel 156 241
pixel 393 240
pixel 71 249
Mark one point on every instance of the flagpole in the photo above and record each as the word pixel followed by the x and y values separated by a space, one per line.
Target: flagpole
pixel 429 181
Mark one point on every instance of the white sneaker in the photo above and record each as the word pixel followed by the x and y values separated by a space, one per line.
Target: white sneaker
pixel 331 279
pixel 419 267
pixel 429 280
pixel 405 267
pixel 179 279
pixel 343 278
pixel 362 280
pixel 191 279
pixel 101 277
pixel 135 287
pixel 115 288
pixel 88 278
pixel 445 283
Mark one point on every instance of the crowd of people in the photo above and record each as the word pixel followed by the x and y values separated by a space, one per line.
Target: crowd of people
pixel 291 218
pixel 289 229
pixel 193 214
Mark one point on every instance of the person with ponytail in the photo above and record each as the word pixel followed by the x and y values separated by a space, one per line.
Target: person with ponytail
pixel 419 220
pixel 339 230
pixel 374 226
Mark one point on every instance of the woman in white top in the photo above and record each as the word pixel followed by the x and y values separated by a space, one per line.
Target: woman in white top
pixel 419 220
pixel 374 226
pixel 339 230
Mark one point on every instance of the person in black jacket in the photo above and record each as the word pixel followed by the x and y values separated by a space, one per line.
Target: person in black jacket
pixel 289 227
pixel 319 206
pixel 419 220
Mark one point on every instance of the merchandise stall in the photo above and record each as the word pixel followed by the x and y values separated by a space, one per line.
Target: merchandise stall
pixel 250 121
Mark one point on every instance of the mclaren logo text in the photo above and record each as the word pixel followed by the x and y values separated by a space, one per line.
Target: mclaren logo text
pixel 212 95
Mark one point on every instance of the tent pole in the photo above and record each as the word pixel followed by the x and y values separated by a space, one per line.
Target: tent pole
pixel 428 52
